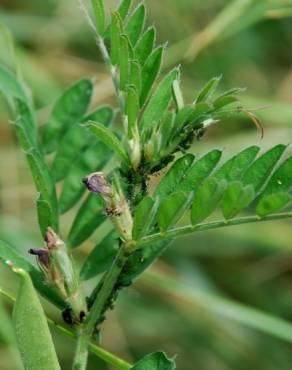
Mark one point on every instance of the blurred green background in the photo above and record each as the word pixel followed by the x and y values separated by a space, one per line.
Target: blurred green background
pixel 194 302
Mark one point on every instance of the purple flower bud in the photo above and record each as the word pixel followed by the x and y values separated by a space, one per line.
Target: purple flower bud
pixel 97 183
pixel 42 256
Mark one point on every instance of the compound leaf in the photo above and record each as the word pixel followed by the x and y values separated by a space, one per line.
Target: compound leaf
pixel 67 111
pixel 206 199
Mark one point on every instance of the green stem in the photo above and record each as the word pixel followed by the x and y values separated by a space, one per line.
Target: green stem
pixel 97 309
pixel 106 290
pixel 112 69
pixel 81 351
pixel 186 230
pixel 108 357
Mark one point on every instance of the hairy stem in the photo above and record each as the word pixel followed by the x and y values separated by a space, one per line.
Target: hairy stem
pixel 112 69
pixel 98 308
pixel 186 230
pixel 81 351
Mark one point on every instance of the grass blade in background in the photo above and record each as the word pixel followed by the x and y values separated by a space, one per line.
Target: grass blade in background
pixel 224 307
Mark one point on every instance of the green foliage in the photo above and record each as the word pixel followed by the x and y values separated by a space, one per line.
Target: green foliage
pixel 145 45
pixel 67 111
pixel 88 218
pixel 160 101
pixel 172 208
pixel 144 217
pixel 150 71
pixel 92 158
pixel 174 176
pixel 7 253
pixel 135 24
pixel 132 109
pixel 206 199
pixel 108 138
pixel 99 13
pixel 77 140
pixel 101 257
pixel 155 361
pixel 236 198
pixel 10 86
pixel 33 337
pixel 273 203
pixel 154 130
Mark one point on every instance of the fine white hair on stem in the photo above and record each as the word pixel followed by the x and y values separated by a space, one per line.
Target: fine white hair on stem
pixel 87 16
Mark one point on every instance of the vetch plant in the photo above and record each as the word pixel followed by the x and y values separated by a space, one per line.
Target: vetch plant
pixel 114 168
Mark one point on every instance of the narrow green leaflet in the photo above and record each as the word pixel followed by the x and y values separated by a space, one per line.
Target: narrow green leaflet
pixel 177 95
pixel 67 111
pixel 124 61
pixel 124 8
pixel 27 119
pixel 281 180
pixel 174 176
pixel 206 199
pixel 236 198
pixel 273 203
pixel 199 171
pixel 10 86
pixel 132 109
pixel 166 127
pixel 7 253
pixel 150 72
pixel 155 361
pixel 135 75
pixel 160 100
pixel 92 159
pixel 222 101
pixel 145 45
pixel 39 170
pixel 260 170
pixel 45 216
pixel 99 14
pixel 42 180
pixel 89 217
pixel 108 138
pixel 76 140
pixel 135 24
pixel 233 169
pixel 208 90
pixel 172 209
pixel 100 257
pixel 32 333
pixel 145 216
pixel 116 30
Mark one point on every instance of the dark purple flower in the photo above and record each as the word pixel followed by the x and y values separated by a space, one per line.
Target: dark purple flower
pixel 42 257
pixel 97 183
